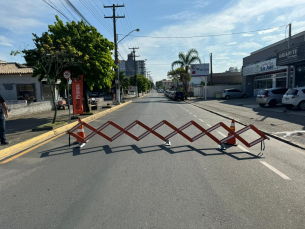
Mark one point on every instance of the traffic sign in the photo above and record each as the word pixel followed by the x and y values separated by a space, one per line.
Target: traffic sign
pixel 67 74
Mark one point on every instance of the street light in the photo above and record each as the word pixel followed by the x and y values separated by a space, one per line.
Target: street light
pixel 117 70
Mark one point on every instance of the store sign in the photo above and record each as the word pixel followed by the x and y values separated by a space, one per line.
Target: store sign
pixel 132 88
pixel 261 67
pixel 291 56
pixel 199 70
pixel 77 94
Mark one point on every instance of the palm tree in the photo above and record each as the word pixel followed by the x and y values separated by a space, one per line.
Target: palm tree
pixel 185 60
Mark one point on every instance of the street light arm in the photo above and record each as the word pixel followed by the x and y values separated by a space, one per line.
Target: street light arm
pixel 128 34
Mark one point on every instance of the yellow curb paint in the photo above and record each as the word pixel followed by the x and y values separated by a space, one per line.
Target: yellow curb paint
pixel 15 149
pixel 35 147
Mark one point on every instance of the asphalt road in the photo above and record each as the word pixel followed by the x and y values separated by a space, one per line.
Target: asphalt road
pixel 129 184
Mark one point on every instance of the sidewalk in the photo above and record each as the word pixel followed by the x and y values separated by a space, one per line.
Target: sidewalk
pixel 19 129
pixel 289 125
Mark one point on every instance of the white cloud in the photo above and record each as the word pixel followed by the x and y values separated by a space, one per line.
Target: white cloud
pixel 232 43
pixel 239 54
pixel 249 45
pixel 5 43
pixel 185 15
pixel 200 4
pixel 268 31
pixel 260 18
pixel 273 38
pixel 235 17
pixel 247 35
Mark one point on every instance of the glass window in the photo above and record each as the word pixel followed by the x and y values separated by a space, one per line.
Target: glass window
pixel 263 92
pixel 26 92
pixel 281 82
pixel 292 92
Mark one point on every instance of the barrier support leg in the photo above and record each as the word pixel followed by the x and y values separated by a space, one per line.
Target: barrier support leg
pixel 222 147
pixel 167 143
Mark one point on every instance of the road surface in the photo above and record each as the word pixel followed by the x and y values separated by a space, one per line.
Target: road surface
pixel 129 184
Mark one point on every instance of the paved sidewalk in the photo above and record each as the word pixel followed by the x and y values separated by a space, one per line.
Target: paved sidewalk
pixel 289 125
pixel 19 129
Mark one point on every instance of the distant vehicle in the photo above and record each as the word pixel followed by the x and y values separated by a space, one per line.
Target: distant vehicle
pixel 272 96
pixel 233 93
pixel 171 94
pixel 294 97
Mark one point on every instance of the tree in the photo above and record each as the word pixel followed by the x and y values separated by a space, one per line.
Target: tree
pixel 124 82
pixel 159 84
pixel 142 82
pixel 83 51
pixel 185 60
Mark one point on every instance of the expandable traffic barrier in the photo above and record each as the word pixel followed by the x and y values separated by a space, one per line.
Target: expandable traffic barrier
pixel 231 133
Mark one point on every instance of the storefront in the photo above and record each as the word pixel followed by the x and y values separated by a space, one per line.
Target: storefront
pixel 265 74
pixel 294 57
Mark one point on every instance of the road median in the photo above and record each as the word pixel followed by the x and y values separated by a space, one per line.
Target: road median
pixel 15 149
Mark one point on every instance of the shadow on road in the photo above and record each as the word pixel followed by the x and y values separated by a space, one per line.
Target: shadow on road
pixel 76 151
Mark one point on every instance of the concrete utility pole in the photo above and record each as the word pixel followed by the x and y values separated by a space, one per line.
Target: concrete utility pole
pixel 211 61
pixel 118 97
pixel 288 67
pixel 135 69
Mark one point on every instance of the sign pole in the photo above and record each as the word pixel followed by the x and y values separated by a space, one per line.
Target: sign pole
pixel 68 100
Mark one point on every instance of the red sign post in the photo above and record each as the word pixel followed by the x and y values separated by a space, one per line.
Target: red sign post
pixel 77 92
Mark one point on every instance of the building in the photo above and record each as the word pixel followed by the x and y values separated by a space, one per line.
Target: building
pixel 167 84
pixel 226 78
pixel 130 68
pixel 261 70
pixel 122 66
pixel 141 67
pixel 17 83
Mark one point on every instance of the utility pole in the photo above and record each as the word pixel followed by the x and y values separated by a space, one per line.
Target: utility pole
pixel 118 97
pixel 211 61
pixel 135 69
pixel 288 67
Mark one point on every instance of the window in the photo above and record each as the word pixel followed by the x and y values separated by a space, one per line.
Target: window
pixel 292 92
pixel 26 92
pixel 303 91
pixel 263 92
pixel 279 91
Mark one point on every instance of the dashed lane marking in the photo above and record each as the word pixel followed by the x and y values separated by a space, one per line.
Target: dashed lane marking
pixel 239 146
pixel 208 125
pixel 275 170
pixel 201 120
pixel 195 116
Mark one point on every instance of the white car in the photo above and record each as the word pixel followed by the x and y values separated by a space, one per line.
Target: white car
pixel 294 97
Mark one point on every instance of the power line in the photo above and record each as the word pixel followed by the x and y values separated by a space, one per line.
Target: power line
pixel 61 1
pixel 56 9
pixel 77 12
pixel 215 35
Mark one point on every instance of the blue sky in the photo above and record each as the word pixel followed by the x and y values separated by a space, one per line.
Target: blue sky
pixel 163 18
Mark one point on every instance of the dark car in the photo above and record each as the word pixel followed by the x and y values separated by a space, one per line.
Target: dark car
pixel 178 95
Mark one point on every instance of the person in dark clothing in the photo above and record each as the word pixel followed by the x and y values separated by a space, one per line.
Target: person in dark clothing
pixel 3 111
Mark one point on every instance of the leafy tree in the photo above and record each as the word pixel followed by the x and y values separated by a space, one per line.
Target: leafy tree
pixel 80 48
pixel 159 84
pixel 124 81
pixel 142 82
pixel 185 60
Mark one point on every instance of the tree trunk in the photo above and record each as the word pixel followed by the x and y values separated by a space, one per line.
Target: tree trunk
pixel 53 100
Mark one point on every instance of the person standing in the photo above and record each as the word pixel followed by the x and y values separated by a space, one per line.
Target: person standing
pixel 3 111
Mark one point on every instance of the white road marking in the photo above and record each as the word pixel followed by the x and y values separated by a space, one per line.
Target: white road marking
pixel 195 116
pixel 191 113
pixel 243 149
pixel 221 134
pixel 275 170
pixel 201 120
pixel 208 125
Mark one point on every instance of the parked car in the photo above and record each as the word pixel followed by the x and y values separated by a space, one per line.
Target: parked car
pixel 272 96
pixel 178 95
pixel 294 97
pixel 171 94
pixel 233 93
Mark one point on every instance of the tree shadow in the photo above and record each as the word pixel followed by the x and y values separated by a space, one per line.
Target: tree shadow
pixel 77 151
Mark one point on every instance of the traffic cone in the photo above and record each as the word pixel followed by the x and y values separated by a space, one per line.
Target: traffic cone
pixel 80 133
pixel 231 141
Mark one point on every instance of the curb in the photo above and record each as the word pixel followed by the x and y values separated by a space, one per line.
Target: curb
pixel 15 149
pixel 244 124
